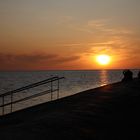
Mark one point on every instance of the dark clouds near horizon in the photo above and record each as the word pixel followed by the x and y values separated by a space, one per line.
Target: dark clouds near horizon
pixel 31 61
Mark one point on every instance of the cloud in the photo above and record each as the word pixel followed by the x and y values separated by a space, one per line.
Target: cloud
pixel 29 61
pixel 68 59
pixel 62 20
pixel 98 24
pixel 36 57
pixel 102 27
pixel 30 58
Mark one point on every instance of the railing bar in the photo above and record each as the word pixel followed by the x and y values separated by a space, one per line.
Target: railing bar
pixel 30 97
pixel 50 80
pixel 28 87
pixel 31 86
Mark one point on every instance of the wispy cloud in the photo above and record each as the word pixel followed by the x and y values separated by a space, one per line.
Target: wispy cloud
pixel 30 58
pixel 68 59
pixel 64 20
pixel 103 26
pixel 94 27
pixel 27 61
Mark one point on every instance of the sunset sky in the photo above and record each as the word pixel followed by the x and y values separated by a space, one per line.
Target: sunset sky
pixel 69 34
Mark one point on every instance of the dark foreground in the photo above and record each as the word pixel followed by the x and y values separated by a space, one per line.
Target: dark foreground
pixel 110 112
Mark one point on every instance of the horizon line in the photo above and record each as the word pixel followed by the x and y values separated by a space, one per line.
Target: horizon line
pixel 66 70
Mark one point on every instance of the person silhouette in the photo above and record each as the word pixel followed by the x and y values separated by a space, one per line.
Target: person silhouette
pixel 128 75
pixel 139 75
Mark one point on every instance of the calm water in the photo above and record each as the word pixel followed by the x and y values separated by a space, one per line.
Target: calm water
pixel 75 82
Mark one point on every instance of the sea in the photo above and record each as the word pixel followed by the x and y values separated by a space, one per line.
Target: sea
pixel 74 82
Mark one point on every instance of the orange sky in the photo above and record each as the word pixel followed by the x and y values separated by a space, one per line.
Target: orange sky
pixel 52 34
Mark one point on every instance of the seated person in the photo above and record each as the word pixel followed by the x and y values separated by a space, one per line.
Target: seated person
pixel 139 75
pixel 128 75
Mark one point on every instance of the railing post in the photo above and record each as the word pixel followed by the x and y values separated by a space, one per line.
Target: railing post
pixel 3 105
pixel 11 102
pixel 51 89
pixel 58 89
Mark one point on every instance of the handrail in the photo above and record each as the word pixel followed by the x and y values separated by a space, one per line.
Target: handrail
pixel 29 97
pixel 30 86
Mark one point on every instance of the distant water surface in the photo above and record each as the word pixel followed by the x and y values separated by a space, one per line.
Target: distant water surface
pixel 74 82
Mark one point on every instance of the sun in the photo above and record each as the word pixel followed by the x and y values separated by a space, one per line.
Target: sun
pixel 103 59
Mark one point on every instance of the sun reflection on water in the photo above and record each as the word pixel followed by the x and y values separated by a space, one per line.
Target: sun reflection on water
pixel 103 78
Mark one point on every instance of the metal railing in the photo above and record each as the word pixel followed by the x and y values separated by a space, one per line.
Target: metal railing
pixel 13 92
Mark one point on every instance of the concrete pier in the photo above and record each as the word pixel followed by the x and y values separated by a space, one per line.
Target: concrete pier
pixel 108 112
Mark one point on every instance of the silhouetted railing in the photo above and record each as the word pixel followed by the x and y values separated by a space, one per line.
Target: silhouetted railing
pixel 11 93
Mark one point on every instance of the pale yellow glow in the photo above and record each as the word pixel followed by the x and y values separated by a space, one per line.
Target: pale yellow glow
pixel 103 59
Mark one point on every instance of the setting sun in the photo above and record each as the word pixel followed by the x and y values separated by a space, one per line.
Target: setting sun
pixel 103 59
